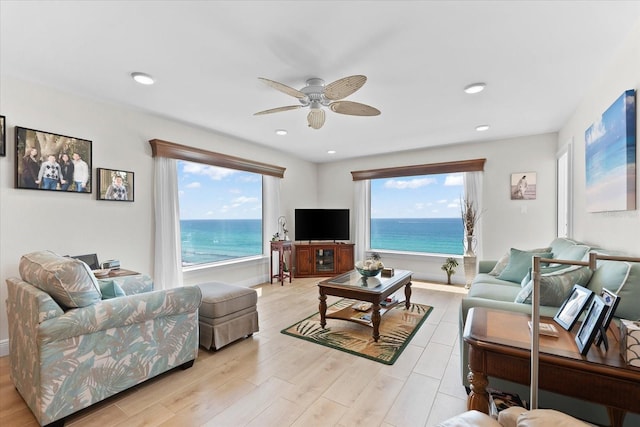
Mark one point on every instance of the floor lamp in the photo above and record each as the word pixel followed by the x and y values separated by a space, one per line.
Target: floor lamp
pixel 535 310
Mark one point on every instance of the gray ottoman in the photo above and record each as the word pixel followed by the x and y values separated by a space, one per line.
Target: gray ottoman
pixel 227 313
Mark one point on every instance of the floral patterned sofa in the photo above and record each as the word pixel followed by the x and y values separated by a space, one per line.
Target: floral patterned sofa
pixel 70 348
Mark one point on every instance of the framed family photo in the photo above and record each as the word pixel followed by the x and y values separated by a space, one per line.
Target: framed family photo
pixel 611 301
pixel 115 185
pixel 3 136
pixel 591 325
pixel 52 162
pixel 573 306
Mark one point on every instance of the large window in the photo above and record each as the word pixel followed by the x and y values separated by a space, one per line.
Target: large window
pixel 220 213
pixel 418 213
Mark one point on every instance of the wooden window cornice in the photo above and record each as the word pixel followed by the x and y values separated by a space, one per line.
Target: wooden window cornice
pixel 473 165
pixel 172 150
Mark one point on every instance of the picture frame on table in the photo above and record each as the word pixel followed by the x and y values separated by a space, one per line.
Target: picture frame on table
pixel 3 136
pixel 573 306
pixel 591 325
pixel 611 300
pixel 52 162
pixel 115 185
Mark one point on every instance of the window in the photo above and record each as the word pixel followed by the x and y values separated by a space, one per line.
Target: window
pixel 220 213
pixel 419 213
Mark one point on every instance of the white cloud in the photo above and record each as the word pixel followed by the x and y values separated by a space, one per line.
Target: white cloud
pixel 238 201
pixel 442 201
pixel 595 132
pixel 213 172
pixel 454 179
pixel 412 183
pixel 193 185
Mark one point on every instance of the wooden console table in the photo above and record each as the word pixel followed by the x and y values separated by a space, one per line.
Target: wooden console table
pixel 499 346
pixel 283 247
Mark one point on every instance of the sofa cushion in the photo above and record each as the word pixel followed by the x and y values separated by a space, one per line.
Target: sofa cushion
pixel 622 278
pixel 519 264
pixel 110 289
pixel 572 253
pixel 555 287
pixel 68 281
pixel 504 260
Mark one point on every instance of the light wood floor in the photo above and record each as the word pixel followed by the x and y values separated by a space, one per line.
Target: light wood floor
pixel 273 379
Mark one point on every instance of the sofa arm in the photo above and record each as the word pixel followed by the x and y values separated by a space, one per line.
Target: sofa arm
pixel 30 303
pixel 123 311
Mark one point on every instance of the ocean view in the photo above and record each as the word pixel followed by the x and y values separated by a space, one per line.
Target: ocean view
pixel 205 241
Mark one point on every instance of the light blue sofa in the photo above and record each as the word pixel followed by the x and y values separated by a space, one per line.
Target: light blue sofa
pixel 489 289
pixel 70 348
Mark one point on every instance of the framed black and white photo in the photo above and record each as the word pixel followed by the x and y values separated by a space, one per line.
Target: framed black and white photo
pixel 3 136
pixel 591 325
pixel 523 186
pixel 611 301
pixel 573 306
pixel 115 185
pixel 48 161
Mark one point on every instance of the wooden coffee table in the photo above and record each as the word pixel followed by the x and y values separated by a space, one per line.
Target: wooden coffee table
pixel 376 289
pixel 499 346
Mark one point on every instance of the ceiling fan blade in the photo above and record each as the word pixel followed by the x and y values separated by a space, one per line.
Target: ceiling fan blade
pixel 283 88
pixel 316 118
pixel 353 108
pixel 344 87
pixel 277 110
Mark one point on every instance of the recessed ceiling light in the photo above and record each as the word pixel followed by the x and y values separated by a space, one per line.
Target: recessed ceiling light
pixel 482 128
pixel 281 132
pixel 142 78
pixel 475 88
pixel 331 152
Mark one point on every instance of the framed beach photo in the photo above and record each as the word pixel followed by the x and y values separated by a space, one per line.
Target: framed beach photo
pixel 573 306
pixel 3 136
pixel 591 325
pixel 523 186
pixel 611 301
pixel 114 184
pixel 48 161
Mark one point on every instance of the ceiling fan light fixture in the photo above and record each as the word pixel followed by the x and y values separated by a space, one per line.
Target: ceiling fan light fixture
pixel 482 128
pixel 475 88
pixel 142 78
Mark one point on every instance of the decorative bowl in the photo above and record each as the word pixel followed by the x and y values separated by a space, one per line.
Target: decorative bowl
pixel 102 273
pixel 368 273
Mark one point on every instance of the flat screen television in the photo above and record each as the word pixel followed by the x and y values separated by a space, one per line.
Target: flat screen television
pixel 322 224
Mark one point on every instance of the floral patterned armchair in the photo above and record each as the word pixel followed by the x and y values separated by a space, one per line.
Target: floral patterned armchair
pixel 70 348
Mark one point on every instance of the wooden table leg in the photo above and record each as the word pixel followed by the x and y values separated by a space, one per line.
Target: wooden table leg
pixel 375 319
pixel 323 309
pixel 407 295
pixel 616 416
pixel 478 398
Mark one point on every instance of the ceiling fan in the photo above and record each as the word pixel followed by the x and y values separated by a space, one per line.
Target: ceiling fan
pixel 315 95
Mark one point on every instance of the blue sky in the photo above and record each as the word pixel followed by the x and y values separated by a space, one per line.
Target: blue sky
pixel 209 192
pixel 428 196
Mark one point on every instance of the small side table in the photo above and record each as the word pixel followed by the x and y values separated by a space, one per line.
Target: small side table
pixel 282 247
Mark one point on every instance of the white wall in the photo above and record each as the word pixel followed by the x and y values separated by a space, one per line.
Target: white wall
pixel 506 223
pixel 611 230
pixel 74 223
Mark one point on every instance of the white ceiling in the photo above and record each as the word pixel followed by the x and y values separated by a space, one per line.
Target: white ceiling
pixel 537 58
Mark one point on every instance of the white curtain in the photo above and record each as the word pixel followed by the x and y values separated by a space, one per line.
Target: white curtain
pixel 271 197
pixel 168 268
pixel 361 217
pixel 473 193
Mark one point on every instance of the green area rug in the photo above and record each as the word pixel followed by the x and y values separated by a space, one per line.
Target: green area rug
pixel 397 328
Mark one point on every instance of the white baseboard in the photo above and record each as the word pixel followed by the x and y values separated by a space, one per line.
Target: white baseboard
pixel 4 348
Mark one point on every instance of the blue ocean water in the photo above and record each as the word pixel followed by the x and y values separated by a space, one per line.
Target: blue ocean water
pixel 430 235
pixel 212 240
pixel 205 241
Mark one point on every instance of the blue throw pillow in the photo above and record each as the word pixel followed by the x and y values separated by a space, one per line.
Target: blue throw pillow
pixel 110 289
pixel 519 264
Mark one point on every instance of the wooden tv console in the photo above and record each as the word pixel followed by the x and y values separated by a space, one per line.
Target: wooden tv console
pixel 323 259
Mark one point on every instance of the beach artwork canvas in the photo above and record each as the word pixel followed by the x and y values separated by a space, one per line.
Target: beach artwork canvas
pixel 610 153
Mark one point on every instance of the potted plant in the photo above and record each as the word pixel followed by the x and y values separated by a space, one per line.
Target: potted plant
pixel 449 267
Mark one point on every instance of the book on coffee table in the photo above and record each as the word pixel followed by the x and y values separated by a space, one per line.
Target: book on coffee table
pixel 361 306
pixel 547 329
